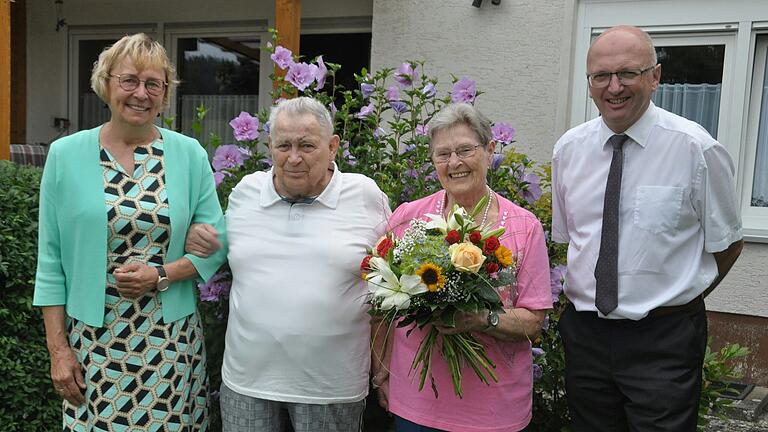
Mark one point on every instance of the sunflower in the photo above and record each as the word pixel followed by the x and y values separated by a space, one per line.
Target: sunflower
pixel 504 256
pixel 432 276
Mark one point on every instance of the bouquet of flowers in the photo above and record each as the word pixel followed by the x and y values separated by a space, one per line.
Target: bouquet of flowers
pixel 439 267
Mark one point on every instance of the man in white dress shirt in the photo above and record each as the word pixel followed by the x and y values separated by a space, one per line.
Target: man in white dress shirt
pixel 298 335
pixel 645 200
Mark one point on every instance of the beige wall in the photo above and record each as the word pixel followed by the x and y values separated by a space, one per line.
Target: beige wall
pixel 518 52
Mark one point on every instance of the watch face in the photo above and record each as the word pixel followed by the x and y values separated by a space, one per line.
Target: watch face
pixel 163 284
pixel 493 319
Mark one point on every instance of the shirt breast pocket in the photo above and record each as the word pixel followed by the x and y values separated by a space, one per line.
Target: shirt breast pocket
pixel 657 208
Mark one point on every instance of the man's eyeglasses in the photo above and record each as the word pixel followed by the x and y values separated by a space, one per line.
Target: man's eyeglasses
pixel 463 152
pixel 626 77
pixel 130 82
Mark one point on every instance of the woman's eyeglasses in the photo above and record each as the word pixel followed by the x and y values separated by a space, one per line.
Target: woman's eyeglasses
pixel 130 82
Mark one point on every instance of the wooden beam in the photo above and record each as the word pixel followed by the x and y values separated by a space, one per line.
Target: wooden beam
pixel 19 72
pixel 5 79
pixel 288 26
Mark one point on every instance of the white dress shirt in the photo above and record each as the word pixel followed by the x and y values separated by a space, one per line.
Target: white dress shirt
pixel 678 206
pixel 298 327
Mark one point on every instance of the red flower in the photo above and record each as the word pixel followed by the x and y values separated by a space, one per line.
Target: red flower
pixel 365 266
pixel 492 267
pixel 491 244
pixel 475 237
pixel 383 247
pixel 452 237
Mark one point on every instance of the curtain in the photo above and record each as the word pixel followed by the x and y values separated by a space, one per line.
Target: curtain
pixel 760 179
pixel 697 102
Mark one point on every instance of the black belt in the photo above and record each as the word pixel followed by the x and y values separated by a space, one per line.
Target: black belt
pixel 671 310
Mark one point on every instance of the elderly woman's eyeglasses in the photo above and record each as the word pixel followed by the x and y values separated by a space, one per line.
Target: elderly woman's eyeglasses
pixel 626 77
pixel 463 152
pixel 130 82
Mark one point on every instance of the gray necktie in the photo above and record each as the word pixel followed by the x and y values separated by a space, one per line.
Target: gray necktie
pixel 606 270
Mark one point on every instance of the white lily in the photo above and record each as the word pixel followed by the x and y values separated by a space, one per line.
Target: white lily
pixel 440 223
pixel 383 283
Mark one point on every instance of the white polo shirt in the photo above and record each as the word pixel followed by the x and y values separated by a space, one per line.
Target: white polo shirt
pixel 678 206
pixel 298 327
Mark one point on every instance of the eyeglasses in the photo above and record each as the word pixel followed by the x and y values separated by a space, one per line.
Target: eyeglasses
pixel 463 152
pixel 130 82
pixel 626 77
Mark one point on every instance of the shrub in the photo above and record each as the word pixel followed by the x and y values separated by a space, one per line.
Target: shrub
pixel 27 399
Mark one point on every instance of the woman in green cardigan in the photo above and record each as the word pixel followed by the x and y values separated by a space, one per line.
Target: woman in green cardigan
pixel 116 288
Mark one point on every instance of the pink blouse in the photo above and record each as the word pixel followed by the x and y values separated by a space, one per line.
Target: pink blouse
pixel 502 406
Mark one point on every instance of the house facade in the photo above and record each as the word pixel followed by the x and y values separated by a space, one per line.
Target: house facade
pixel 527 56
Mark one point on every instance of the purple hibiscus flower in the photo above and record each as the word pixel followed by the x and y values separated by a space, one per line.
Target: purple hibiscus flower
pixel 422 130
pixel 537 352
pixel 503 133
pixel 218 177
pixel 399 106
pixel 347 155
pixel 283 57
pixel 367 89
pixel 392 94
pixel 406 75
pixel 537 372
pixel 464 91
pixel 301 75
pixel 320 73
pixel 215 288
pixel 229 156
pixel 533 191
pixel 379 132
pixel 556 279
pixel 332 108
pixel 246 127
pixel 429 90
pixel 497 160
pixel 408 148
pixel 365 111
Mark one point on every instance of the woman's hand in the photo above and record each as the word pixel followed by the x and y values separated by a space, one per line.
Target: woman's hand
pixel 202 240
pixel 66 375
pixel 380 384
pixel 135 279
pixel 465 322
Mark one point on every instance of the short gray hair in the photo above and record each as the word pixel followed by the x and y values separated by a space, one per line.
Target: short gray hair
pixel 640 33
pixel 457 114
pixel 299 106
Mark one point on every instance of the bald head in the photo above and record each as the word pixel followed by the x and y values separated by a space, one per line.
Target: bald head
pixel 629 35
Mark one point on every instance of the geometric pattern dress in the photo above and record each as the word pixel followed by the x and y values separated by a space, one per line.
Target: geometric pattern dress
pixel 141 373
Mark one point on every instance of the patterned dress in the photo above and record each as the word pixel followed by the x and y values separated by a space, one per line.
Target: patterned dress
pixel 142 374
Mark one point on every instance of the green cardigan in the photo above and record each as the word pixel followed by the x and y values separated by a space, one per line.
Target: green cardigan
pixel 72 243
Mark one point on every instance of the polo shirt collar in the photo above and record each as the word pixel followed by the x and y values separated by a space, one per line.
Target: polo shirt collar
pixel 639 131
pixel 329 197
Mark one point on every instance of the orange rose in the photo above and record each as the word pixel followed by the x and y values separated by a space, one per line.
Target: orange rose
pixel 466 257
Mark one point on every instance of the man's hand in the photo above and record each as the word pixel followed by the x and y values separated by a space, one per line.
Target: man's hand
pixel 135 279
pixel 202 240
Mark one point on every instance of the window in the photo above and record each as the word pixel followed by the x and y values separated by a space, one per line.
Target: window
pixel 220 73
pixel 755 184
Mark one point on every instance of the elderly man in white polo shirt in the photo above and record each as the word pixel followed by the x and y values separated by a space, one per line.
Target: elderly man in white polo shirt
pixel 298 336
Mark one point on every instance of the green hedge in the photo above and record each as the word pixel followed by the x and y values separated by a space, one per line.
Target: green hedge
pixel 27 399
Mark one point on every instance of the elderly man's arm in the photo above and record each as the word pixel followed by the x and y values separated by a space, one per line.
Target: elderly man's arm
pixel 725 260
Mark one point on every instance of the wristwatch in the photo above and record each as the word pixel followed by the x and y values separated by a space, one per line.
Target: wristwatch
pixel 162 279
pixel 493 320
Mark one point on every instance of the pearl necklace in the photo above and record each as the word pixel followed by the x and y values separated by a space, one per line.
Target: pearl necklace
pixel 487 208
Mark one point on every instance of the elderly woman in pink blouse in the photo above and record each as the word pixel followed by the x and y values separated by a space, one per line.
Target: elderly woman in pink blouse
pixel 461 147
